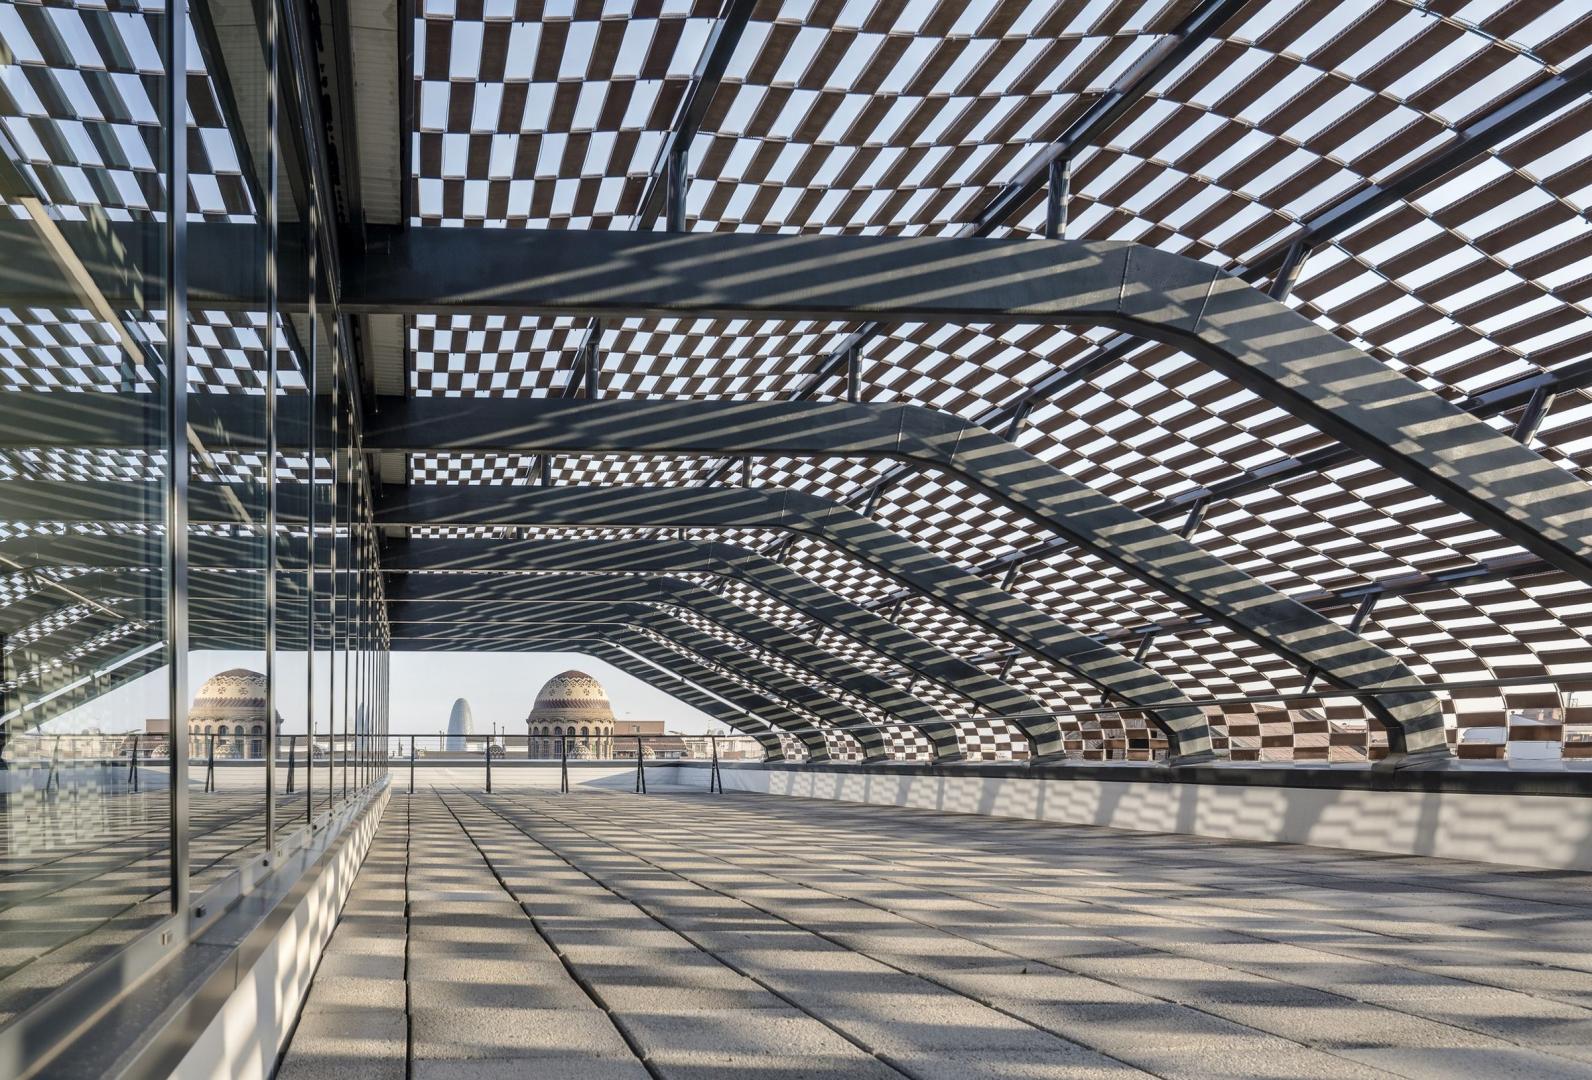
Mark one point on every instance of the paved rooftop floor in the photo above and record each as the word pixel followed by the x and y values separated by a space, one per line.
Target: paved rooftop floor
pixel 605 935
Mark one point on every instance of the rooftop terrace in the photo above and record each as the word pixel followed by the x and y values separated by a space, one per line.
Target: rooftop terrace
pixel 601 934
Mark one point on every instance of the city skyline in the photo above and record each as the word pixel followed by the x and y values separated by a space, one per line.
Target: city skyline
pixel 421 699
pixel 500 688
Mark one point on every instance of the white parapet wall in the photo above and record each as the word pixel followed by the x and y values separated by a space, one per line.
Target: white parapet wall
pixel 1541 830
pixel 526 775
pixel 244 1037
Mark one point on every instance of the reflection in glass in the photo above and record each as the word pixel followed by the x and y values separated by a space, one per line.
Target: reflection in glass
pixel 145 672
pixel 85 357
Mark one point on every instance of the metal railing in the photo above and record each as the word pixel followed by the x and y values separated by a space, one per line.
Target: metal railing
pixel 330 767
pixel 487 759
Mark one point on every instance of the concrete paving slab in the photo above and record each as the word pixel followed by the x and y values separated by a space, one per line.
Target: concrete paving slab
pixel 363 965
pixel 357 992
pixel 446 1034
pixel 547 991
pixel 1073 1064
pixel 1513 1063
pixel 737 1033
pixel 546 1067
pixel 628 998
pixel 741 936
pixel 351 1035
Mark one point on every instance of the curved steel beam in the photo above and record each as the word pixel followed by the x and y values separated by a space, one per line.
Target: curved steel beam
pixel 221 594
pixel 645 655
pixel 764 679
pixel 111 551
pixel 1249 337
pixel 771 680
pixel 867 628
pixel 863 539
pixel 26 715
pixel 754 703
pixel 940 733
pixel 36 684
pixel 51 639
pixel 686 691
pixel 447 593
pixel 1246 335
pixel 669 683
pixel 946 443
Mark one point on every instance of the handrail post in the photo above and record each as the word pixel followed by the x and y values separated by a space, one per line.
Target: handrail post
pixel 715 781
pixel 292 753
pixel 487 750
pixel 132 766
pixel 411 764
pixel 55 766
pixel 641 771
pixel 210 768
pixel 563 768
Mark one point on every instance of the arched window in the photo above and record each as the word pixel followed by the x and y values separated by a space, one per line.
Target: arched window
pixel 584 733
pixel 557 730
pixel 222 730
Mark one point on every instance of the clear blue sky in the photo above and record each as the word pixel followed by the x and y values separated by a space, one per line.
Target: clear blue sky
pixel 499 686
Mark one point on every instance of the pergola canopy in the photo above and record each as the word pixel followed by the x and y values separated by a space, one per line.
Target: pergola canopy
pixel 1412 180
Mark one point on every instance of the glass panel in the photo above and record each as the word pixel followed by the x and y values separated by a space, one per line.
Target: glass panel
pixel 232 706
pixel 138 706
pixel 341 623
pixel 293 577
pixel 298 448
pixel 85 798
pixel 331 554
pixel 319 509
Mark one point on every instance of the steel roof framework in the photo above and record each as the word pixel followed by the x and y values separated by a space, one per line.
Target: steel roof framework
pixel 1432 163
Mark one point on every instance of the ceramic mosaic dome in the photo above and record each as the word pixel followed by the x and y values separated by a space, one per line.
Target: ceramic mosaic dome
pixel 234 695
pixel 573 695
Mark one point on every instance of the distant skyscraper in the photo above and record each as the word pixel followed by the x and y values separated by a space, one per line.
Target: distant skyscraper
pixel 460 724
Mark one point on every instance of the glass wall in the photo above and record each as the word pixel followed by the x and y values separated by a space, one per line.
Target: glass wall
pixel 229 403
pixel 191 626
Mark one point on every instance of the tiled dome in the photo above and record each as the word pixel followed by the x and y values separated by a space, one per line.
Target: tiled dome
pixel 574 690
pixel 236 694
pixel 572 697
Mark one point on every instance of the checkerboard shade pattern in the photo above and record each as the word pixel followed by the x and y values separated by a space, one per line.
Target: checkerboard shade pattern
pixel 875 118
pixel 907 119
